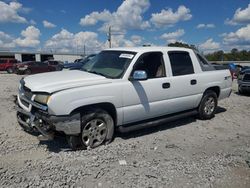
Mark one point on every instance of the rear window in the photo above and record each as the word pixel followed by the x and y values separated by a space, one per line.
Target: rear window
pixel 181 63
pixel 53 62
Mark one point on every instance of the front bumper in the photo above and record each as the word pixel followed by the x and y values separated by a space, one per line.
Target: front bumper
pixel 244 86
pixel 34 116
pixel 18 70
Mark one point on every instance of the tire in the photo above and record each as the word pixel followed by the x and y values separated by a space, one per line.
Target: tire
pixel 10 70
pixel 74 142
pixel 28 71
pixel 208 105
pixel 97 128
pixel 240 91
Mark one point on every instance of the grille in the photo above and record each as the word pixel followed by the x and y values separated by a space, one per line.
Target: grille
pixel 27 92
pixel 246 77
pixel 25 103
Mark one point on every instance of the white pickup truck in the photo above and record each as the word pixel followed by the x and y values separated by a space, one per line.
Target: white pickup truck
pixel 123 88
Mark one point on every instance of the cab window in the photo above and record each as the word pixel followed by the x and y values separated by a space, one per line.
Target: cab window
pixel 152 63
pixel 181 63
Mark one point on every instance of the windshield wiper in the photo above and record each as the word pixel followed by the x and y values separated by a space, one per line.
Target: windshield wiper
pixel 94 72
pixel 98 73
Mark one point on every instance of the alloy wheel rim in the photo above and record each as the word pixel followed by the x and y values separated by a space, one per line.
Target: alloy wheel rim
pixel 94 133
pixel 209 105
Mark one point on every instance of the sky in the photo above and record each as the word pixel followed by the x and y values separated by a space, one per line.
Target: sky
pixel 72 26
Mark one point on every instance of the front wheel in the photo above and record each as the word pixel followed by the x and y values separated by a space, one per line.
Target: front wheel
pixel 10 70
pixel 208 105
pixel 97 128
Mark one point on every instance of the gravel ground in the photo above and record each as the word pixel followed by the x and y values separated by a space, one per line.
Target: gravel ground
pixel 185 153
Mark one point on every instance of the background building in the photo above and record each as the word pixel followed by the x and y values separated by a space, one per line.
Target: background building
pixel 29 56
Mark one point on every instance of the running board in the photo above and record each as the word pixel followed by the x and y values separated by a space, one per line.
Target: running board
pixel 155 122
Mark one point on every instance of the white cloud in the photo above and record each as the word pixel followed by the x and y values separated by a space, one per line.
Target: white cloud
pixel 65 41
pixel 137 40
pixel 9 12
pixel 127 16
pixel 94 17
pixel 173 36
pixel 240 37
pixel 6 41
pixel 204 26
pixel 30 37
pixel 241 16
pixel 48 24
pixel 167 17
pixel 120 40
pixel 209 46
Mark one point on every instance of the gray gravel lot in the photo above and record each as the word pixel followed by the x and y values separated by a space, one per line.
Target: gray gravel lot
pixel 185 153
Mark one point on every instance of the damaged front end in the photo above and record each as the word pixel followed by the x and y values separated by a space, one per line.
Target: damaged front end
pixel 33 116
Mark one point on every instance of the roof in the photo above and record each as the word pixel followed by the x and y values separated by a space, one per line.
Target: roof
pixel 149 48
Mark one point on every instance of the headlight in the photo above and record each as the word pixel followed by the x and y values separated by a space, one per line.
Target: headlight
pixel 42 98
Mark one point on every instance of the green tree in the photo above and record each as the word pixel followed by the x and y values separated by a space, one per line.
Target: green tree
pixel 184 45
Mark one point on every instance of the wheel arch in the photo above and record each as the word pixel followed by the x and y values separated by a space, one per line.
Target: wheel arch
pixel 216 89
pixel 109 107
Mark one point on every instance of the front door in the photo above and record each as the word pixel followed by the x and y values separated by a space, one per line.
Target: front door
pixel 147 98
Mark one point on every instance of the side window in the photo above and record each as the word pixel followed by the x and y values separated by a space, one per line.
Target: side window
pixel 201 59
pixel 1 61
pixel 53 62
pixel 152 63
pixel 181 63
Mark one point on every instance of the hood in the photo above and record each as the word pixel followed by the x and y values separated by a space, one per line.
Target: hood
pixel 56 81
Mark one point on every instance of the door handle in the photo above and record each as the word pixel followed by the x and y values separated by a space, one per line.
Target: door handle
pixel 193 82
pixel 166 85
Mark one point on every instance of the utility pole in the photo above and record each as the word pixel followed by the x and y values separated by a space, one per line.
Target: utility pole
pixel 109 37
pixel 84 50
pixel 110 33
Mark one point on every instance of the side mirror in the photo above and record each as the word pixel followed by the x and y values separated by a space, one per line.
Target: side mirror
pixel 140 75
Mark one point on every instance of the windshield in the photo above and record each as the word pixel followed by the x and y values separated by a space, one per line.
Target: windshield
pixel 111 64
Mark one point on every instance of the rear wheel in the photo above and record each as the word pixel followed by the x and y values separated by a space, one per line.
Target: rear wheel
pixel 10 70
pixel 208 105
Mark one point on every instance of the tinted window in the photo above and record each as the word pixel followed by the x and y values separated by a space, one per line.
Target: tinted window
pixel 2 61
pixel 202 60
pixel 53 62
pixel 42 64
pixel 181 63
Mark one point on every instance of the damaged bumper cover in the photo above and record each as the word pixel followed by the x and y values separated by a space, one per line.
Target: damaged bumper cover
pixel 36 117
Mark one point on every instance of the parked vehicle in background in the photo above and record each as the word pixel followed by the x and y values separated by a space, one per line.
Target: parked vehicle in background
pixel 230 66
pixel 8 65
pixel 57 64
pixel 127 88
pixel 33 67
pixel 244 80
pixel 78 63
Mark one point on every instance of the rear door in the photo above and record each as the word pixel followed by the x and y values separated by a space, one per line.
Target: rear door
pixel 44 67
pixel 185 83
